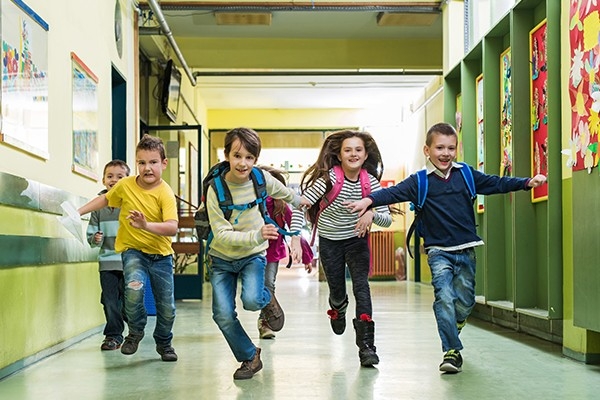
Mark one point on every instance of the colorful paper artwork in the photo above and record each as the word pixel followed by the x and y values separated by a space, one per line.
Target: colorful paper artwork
pixel 460 153
pixel 480 137
pixel 506 158
pixel 539 107
pixel 584 84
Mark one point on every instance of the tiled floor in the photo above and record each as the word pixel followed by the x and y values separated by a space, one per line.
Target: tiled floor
pixel 307 361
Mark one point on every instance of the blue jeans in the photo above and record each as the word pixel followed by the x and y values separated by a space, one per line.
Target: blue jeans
pixel 453 280
pixel 111 298
pixel 255 296
pixel 137 266
pixel 354 252
pixel 270 278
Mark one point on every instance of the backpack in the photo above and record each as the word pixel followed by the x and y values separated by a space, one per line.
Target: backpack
pixel 365 187
pixel 216 179
pixel 422 185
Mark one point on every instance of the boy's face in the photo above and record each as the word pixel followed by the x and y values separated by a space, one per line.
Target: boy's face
pixel 150 167
pixel 112 175
pixel 241 162
pixel 352 154
pixel 442 151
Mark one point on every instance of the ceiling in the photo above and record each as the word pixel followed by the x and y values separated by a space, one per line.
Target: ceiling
pixel 298 88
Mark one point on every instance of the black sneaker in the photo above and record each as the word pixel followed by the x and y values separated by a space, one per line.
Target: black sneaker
pixel 249 367
pixel 167 353
pixel 110 344
pixel 273 314
pixel 460 325
pixel 452 362
pixel 130 345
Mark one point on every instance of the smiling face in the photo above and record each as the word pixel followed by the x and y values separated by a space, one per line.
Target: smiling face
pixel 352 155
pixel 441 151
pixel 241 162
pixel 150 166
pixel 113 174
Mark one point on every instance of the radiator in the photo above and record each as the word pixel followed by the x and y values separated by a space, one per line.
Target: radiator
pixel 382 254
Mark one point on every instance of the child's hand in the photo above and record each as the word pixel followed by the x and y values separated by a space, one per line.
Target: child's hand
pixel 308 268
pixel 269 232
pixel 359 206
pixel 304 203
pixel 364 224
pixel 296 249
pixel 98 237
pixel 137 219
pixel 537 180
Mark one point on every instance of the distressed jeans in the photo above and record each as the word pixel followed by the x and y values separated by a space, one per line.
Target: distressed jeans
pixel 255 296
pixel 453 280
pixel 354 252
pixel 137 266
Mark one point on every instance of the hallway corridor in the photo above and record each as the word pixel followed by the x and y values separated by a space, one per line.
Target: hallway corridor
pixel 307 361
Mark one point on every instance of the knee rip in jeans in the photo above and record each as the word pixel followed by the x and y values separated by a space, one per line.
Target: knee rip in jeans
pixel 135 285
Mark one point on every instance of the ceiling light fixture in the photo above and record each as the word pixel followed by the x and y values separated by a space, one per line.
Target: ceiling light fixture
pixel 234 18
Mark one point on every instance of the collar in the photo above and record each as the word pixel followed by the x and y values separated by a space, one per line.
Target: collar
pixel 432 168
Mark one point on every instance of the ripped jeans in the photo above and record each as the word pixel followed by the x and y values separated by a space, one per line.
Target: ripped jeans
pixel 137 266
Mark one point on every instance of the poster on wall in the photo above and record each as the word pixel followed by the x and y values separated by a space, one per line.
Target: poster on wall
pixel 506 158
pixel 539 107
pixel 584 91
pixel 85 119
pixel 480 137
pixel 24 94
pixel 460 154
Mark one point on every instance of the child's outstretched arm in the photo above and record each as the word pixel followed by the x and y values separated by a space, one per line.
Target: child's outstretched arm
pixel 93 205
pixel 536 181
pixel 137 219
pixel 359 206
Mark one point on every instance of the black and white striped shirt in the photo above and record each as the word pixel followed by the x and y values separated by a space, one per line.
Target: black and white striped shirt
pixel 336 222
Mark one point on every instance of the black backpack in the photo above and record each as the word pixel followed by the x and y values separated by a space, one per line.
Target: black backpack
pixel 216 179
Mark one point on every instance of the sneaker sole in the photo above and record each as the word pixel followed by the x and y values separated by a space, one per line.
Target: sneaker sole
pixel 267 336
pixel 450 368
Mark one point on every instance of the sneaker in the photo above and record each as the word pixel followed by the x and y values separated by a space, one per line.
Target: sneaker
pixel 452 362
pixel 110 344
pixel 130 345
pixel 167 353
pixel 264 329
pixel 273 314
pixel 460 325
pixel 249 367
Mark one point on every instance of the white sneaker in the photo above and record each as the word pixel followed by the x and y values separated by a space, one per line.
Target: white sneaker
pixel 264 329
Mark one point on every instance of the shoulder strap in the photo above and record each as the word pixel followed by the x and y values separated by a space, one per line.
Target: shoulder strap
pixel 469 180
pixel 365 182
pixel 422 186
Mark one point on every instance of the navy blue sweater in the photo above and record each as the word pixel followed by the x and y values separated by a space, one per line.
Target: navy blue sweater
pixel 447 218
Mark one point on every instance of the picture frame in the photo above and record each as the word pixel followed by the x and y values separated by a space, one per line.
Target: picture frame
pixel 85 119
pixel 506 157
pixel 480 136
pixel 24 83
pixel 539 107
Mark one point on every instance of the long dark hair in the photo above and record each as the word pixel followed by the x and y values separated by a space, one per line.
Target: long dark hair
pixel 329 156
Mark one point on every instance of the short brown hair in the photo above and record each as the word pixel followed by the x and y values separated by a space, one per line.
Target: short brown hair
pixel 441 128
pixel 248 137
pixel 151 143
pixel 117 163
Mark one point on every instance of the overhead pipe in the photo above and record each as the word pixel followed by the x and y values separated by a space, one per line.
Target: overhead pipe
pixel 167 32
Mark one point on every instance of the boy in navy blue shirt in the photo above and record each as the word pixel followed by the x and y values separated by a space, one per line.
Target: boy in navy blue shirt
pixel 447 225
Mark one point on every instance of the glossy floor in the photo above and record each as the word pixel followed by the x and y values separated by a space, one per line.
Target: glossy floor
pixel 307 361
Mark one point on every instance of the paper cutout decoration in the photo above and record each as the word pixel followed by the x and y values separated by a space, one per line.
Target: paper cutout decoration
pixel 71 220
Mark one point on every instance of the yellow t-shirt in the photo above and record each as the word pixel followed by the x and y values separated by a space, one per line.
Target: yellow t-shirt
pixel 157 205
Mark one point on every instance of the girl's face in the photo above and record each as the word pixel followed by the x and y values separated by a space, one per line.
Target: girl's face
pixel 241 162
pixel 150 167
pixel 352 154
pixel 442 151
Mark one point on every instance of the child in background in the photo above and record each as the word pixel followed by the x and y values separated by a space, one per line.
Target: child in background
pixel 238 247
pixel 147 219
pixel 101 232
pixel 343 236
pixel 447 225
pixel 281 213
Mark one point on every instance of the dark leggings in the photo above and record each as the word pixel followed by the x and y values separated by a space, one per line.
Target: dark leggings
pixel 354 252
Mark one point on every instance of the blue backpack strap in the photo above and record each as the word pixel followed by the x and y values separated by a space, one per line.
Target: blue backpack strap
pixel 469 180
pixel 422 186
